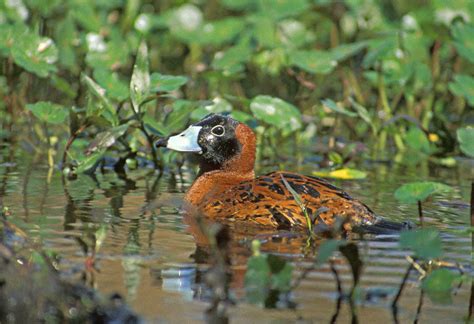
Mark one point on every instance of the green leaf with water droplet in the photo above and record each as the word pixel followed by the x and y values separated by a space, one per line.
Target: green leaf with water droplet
pixel 277 112
pixel 140 83
pixel 466 140
pixel 424 242
pixel 35 54
pixel 49 112
pixel 419 191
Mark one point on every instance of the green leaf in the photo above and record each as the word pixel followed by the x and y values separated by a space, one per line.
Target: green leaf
pixel 232 57
pixel 266 274
pixel 166 83
pixel 90 163
pixel 463 86
pixel 219 105
pixel 277 112
pixel 107 55
pixel 424 242
pixel 35 54
pixel 257 279
pixel 111 82
pixel 466 140
pixel 104 107
pixel 419 191
pixel 417 140
pixel 439 284
pixel 336 108
pixel 278 9
pixel 293 33
pixel 344 51
pixel 214 33
pixel 281 273
pixel 49 112
pixel 85 15
pixel 313 61
pixel 106 139
pixel 237 4
pixel 140 83
pixel 363 113
pixel 8 36
pixel 464 40
pixel 327 249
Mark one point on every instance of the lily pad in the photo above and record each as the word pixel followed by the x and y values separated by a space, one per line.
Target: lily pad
pixel 49 112
pixel 424 242
pixel 439 284
pixel 419 191
pixel 277 112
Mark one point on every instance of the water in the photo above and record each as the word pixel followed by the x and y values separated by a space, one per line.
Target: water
pixel 150 257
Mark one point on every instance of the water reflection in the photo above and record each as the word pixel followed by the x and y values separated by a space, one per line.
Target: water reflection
pixel 151 254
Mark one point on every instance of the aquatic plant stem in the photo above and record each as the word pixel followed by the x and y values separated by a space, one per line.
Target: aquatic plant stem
pixel 71 140
pixel 402 285
pixel 418 309
pixel 420 213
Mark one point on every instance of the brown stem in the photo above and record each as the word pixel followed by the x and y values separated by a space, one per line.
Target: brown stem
pixel 402 285
pixel 71 140
pixel 418 309
pixel 420 213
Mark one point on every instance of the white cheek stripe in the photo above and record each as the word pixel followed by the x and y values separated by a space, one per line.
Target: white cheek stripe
pixel 187 141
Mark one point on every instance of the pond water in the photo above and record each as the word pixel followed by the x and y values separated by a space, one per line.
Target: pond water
pixel 150 257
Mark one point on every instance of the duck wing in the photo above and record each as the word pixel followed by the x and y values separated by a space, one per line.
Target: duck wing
pixel 267 201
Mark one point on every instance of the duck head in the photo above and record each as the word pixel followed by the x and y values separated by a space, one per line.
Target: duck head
pixel 217 142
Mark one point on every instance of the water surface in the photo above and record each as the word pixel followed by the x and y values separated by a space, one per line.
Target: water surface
pixel 150 257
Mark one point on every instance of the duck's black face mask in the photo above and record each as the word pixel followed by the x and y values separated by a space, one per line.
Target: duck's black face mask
pixel 213 140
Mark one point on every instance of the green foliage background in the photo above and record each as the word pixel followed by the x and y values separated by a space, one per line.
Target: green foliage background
pixel 397 75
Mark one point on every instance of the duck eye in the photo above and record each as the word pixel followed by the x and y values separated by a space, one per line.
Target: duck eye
pixel 218 130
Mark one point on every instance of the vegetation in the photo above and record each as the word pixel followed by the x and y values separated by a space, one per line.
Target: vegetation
pixel 296 70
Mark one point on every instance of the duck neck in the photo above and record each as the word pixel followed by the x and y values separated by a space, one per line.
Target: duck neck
pixel 213 178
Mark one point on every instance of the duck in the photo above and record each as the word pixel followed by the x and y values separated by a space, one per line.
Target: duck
pixel 226 188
